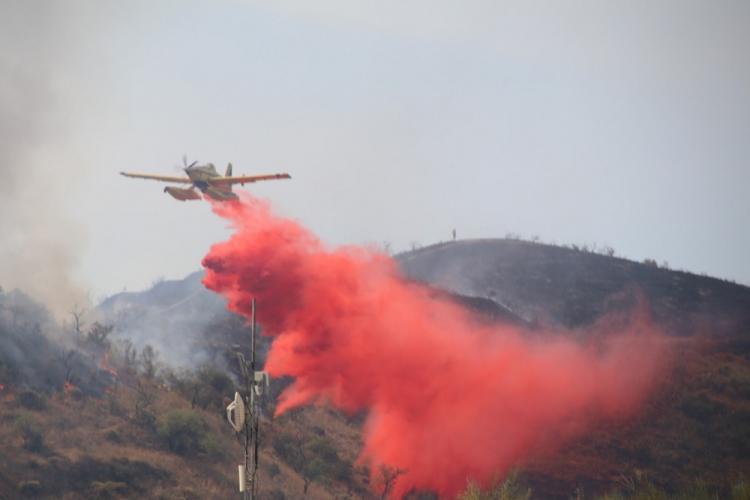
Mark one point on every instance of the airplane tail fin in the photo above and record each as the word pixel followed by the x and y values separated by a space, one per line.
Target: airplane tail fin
pixel 229 170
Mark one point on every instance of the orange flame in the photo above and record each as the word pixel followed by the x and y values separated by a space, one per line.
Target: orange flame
pixel 9 396
pixel 68 387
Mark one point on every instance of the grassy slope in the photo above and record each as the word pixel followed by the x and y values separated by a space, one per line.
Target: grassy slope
pixel 91 444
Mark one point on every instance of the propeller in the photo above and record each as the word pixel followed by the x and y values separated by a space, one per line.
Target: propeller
pixel 185 163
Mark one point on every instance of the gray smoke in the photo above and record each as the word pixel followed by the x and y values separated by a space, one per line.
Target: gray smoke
pixel 40 243
pixel 180 319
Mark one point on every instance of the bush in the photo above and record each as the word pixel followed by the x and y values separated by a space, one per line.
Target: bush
pixel 97 336
pixel 640 487
pixel 313 459
pixel 509 489
pixel 217 380
pixel 32 400
pixel 273 469
pixel 288 450
pixel 144 402
pixel 145 419
pixel 211 446
pixel 206 388
pixel 183 431
pixel 33 438
pixel 85 472
pixel 700 408
pixel 113 436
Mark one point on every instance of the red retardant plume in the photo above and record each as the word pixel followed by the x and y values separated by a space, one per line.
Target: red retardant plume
pixel 447 398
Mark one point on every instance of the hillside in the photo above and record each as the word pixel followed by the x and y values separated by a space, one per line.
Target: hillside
pixel 696 428
pixel 92 416
pixel 102 427
pixel 170 316
pixel 572 288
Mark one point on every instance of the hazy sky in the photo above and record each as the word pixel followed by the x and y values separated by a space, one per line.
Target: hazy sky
pixel 617 123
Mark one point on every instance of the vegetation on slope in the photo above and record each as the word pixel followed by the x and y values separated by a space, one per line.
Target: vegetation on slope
pixel 88 415
pixel 98 419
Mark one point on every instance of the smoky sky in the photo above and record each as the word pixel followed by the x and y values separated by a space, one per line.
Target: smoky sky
pixel 585 122
pixel 40 243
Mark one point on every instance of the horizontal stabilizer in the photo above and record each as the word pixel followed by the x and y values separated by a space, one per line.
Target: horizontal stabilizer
pixel 246 179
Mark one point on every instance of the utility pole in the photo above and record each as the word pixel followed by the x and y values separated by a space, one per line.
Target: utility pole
pixel 244 416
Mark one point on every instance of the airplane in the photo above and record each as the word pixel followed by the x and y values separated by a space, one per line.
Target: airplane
pixel 207 180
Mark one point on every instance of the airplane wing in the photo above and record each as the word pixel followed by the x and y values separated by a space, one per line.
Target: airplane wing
pixel 243 179
pixel 163 178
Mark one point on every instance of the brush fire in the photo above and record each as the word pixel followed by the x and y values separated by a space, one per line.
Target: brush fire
pixel 447 398
pixel 6 394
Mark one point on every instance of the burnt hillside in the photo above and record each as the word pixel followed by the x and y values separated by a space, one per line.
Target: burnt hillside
pixel 693 438
pixel 573 287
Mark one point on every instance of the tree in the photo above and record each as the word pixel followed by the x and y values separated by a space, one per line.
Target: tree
pixel 97 335
pixel 386 478
pixel 148 361
pixel 77 312
pixel 309 469
pixel 312 459
pixel 32 433
pixel 128 355
pixel 66 358
pixel 145 396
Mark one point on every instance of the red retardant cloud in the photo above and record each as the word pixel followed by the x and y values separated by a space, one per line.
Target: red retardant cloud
pixel 447 398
